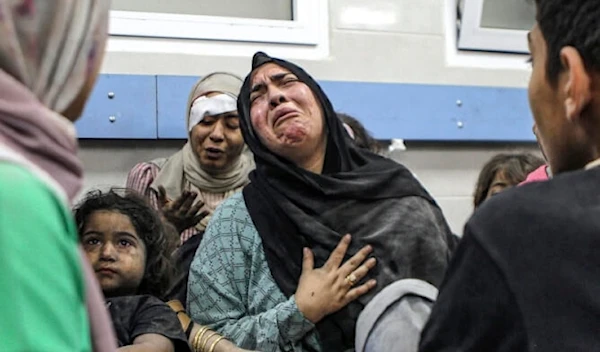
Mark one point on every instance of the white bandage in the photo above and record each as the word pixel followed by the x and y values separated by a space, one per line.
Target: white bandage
pixel 210 106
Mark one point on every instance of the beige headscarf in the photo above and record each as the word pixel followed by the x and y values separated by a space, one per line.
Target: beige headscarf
pixel 182 171
pixel 48 49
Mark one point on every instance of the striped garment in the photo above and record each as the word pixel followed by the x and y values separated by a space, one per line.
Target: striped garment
pixel 143 174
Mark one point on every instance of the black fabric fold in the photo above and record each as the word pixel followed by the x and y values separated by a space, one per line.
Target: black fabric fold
pixel 356 193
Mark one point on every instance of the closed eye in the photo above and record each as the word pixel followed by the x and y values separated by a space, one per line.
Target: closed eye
pixel 255 97
pixel 207 121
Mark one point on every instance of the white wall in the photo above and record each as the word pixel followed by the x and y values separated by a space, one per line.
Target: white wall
pixel 419 47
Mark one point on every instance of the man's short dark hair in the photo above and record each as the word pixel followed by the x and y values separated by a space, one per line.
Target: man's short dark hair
pixel 573 23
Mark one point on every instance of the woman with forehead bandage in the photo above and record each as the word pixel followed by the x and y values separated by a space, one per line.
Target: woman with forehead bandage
pixel 213 165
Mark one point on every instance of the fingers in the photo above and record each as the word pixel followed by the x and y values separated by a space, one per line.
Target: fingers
pixel 363 270
pixel 183 200
pixel 359 291
pixel 308 260
pixel 177 203
pixel 355 276
pixel 187 203
pixel 195 209
pixel 337 256
pixel 196 219
pixel 356 260
pixel 162 196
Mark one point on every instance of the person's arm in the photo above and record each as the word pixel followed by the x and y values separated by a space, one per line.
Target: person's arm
pixel 214 296
pixel 149 343
pixel 230 270
pixel 220 344
pixel 154 322
pixel 198 334
pixel 180 212
pixel 42 298
pixel 475 310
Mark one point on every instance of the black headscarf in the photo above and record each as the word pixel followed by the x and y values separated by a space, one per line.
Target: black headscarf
pixel 356 193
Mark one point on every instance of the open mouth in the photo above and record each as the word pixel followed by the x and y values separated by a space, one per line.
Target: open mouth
pixel 285 117
pixel 214 152
pixel 282 114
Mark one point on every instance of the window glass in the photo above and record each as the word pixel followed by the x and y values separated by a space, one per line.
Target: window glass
pixel 508 14
pixel 258 9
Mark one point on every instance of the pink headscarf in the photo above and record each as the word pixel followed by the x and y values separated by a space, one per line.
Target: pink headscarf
pixel 48 49
pixel 537 175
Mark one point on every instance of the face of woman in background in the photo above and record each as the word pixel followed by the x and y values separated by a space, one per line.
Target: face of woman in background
pixel 217 140
pixel 285 113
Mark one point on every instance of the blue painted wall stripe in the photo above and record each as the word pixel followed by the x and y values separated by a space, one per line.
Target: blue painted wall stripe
pixel 128 113
pixel 150 107
pixel 173 93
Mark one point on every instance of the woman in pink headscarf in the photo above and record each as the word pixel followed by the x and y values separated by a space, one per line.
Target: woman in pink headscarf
pixel 50 54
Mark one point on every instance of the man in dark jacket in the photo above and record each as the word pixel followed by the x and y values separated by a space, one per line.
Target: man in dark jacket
pixel 526 276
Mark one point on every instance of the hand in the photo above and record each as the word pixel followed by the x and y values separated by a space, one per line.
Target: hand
pixel 328 289
pixel 180 212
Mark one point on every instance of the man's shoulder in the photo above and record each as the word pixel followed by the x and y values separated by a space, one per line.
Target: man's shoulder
pixel 535 209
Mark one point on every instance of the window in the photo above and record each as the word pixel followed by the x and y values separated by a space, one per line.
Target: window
pixel 261 9
pixel 258 21
pixel 495 25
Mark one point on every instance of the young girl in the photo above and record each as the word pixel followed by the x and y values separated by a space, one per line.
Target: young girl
pixel 128 247
pixel 503 171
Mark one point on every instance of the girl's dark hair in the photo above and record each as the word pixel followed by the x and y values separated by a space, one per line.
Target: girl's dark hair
pixel 515 167
pixel 362 137
pixel 147 223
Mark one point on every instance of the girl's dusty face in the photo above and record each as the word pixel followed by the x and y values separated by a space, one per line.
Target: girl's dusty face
pixel 116 252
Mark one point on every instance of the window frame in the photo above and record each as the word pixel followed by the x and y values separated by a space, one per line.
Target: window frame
pixel 474 37
pixel 304 29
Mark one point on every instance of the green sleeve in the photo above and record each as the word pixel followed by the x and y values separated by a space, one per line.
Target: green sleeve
pixel 42 298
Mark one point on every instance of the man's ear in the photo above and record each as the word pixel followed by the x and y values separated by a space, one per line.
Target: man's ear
pixel 578 86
